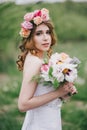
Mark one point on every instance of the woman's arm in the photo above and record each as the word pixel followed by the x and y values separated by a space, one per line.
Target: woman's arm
pixel 27 100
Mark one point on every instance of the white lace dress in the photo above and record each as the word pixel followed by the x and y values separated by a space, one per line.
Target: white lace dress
pixel 46 117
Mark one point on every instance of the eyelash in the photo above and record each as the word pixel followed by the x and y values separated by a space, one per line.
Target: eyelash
pixel 39 33
pixel 48 32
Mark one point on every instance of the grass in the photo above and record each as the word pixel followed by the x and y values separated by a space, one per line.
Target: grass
pixel 73 112
pixel 70 26
pixel 74 115
pixel 9 113
pixel 69 22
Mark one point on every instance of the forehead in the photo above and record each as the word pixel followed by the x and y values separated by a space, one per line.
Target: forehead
pixel 42 27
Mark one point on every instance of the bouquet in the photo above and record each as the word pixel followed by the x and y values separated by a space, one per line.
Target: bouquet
pixel 59 69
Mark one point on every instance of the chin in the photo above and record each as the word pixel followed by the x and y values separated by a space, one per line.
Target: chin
pixel 46 49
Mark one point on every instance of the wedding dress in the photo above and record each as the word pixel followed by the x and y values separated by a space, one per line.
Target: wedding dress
pixel 46 117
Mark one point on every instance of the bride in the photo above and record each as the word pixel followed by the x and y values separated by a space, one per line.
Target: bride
pixel 41 103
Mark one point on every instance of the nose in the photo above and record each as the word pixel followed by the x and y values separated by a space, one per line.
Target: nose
pixel 45 37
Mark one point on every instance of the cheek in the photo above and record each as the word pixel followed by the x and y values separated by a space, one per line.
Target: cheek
pixel 50 39
pixel 37 44
pixel 37 40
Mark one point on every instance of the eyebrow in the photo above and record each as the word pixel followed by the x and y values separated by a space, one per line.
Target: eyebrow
pixel 38 31
pixel 41 30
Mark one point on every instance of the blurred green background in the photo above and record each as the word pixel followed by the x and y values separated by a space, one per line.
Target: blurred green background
pixel 70 22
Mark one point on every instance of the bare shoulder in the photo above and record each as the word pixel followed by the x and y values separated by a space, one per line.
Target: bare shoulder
pixel 32 63
pixel 31 59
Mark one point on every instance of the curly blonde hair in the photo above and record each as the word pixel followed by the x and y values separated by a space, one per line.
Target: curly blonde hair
pixel 28 45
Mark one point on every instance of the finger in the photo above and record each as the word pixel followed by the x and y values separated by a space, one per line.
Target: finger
pixel 74 92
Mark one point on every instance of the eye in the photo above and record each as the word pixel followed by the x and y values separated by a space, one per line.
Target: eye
pixel 48 32
pixel 38 33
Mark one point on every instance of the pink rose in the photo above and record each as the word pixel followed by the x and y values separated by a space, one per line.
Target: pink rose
pixel 45 14
pixel 45 17
pixel 29 16
pixel 27 25
pixel 37 13
pixel 37 20
pixel 44 68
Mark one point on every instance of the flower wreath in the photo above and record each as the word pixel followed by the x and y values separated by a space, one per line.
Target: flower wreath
pixel 36 17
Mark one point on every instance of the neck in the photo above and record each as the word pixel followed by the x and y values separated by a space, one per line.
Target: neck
pixel 40 55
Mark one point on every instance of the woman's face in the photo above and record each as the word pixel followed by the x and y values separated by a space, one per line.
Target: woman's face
pixel 42 38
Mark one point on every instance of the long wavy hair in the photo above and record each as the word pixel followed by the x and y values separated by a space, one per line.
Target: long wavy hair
pixel 27 45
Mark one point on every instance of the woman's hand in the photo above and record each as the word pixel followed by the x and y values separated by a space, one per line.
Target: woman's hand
pixel 67 97
pixel 70 87
pixel 67 90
